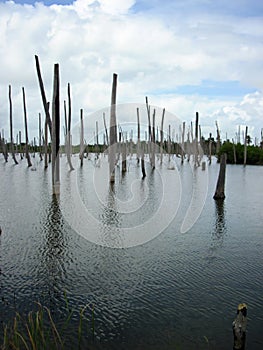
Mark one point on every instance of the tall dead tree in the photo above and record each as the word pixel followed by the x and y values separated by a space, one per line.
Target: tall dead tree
pixel 220 187
pixel 182 144
pixel 106 131
pixel 43 95
pixel 26 129
pixel 210 149
pixel 162 139
pixel 113 130
pixel 153 141
pixel 68 129
pixel 82 149
pixel 234 151
pixel 11 126
pixel 39 136
pixel 218 141
pixel 149 129
pixel 138 136
pixel 46 144
pixel 55 132
pixel 3 147
pixel 245 147
pixel 196 139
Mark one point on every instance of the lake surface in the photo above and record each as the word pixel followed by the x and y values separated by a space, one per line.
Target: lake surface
pixel 178 290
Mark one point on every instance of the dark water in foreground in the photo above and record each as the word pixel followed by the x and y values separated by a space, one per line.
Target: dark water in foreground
pixel 173 292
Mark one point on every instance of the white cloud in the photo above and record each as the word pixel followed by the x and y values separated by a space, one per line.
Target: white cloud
pixel 151 54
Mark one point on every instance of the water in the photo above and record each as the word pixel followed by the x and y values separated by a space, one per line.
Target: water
pixel 173 292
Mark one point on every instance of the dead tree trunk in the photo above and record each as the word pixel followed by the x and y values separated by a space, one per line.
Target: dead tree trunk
pixel 42 90
pixel 68 130
pixel 245 147
pixel 81 151
pixel 26 130
pixel 124 156
pixel 153 141
pixel 106 131
pixel 149 129
pixel 218 142
pixel 143 164
pixel 234 152
pixel 161 132
pixel 210 148
pixel 196 140
pixel 46 144
pixel 55 132
pixel 182 145
pixel 3 146
pixel 220 187
pixel 138 136
pixel 39 135
pixel 239 326
pixel 113 130
pixel 11 126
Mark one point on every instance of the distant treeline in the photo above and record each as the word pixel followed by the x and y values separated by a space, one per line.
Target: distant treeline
pixel 254 153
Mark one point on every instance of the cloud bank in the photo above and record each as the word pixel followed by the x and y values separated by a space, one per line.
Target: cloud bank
pixel 166 53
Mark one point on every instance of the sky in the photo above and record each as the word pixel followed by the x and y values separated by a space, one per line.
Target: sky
pixel 186 56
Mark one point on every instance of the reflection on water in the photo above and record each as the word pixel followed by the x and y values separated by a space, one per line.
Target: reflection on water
pixel 220 221
pixel 160 295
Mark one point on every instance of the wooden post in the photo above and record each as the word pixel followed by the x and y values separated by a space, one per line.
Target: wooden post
pixel 11 126
pixel 55 132
pixel 220 187
pixel 26 130
pixel 245 147
pixel 113 130
pixel 239 326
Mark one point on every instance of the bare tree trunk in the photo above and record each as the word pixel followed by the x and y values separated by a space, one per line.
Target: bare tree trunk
pixel 42 90
pixel 46 143
pixel 106 131
pixel 210 149
pixel 138 136
pixel 26 130
pixel 182 145
pixel 68 130
pixel 55 132
pixel 149 129
pixel 196 140
pixel 161 131
pixel 220 187
pixel 81 151
pixel 113 130
pixel 245 147
pixel 218 142
pixel 153 141
pixel 234 152
pixel 3 146
pixel 169 143
pixel 239 327
pixel 143 164
pixel 124 156
pixel 40 143
pixel 11 126
pixel 20 146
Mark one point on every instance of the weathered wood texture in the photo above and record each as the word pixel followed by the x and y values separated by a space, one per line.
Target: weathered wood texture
pixel 26 129
pixel 113 130
pixel 220 187
pixel 239 326
pixel 55 132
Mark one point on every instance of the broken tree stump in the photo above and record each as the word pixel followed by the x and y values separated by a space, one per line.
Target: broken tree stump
pixel 220 187
pixel 239 326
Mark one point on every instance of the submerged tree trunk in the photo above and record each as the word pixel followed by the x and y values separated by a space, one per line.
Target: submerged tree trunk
pixel 113 130
pixel 106 131
pixel 182 145
pixel 26 130
pixel 138 136
pixel 55 132
pixel 39 135
pixel 46 144
pixel 196 140
pixel 210 149
pixel 143 164
pixel 11 127
pixel 220 187
pixel 153 141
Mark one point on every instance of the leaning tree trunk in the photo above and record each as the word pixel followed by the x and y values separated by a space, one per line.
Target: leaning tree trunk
pixel 55 132
pixel 42 90
pixel 11 127
pixel 113 130
pixel 26 130
pixel 220 187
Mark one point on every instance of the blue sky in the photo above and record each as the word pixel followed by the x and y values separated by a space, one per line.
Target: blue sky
pixel 186 56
